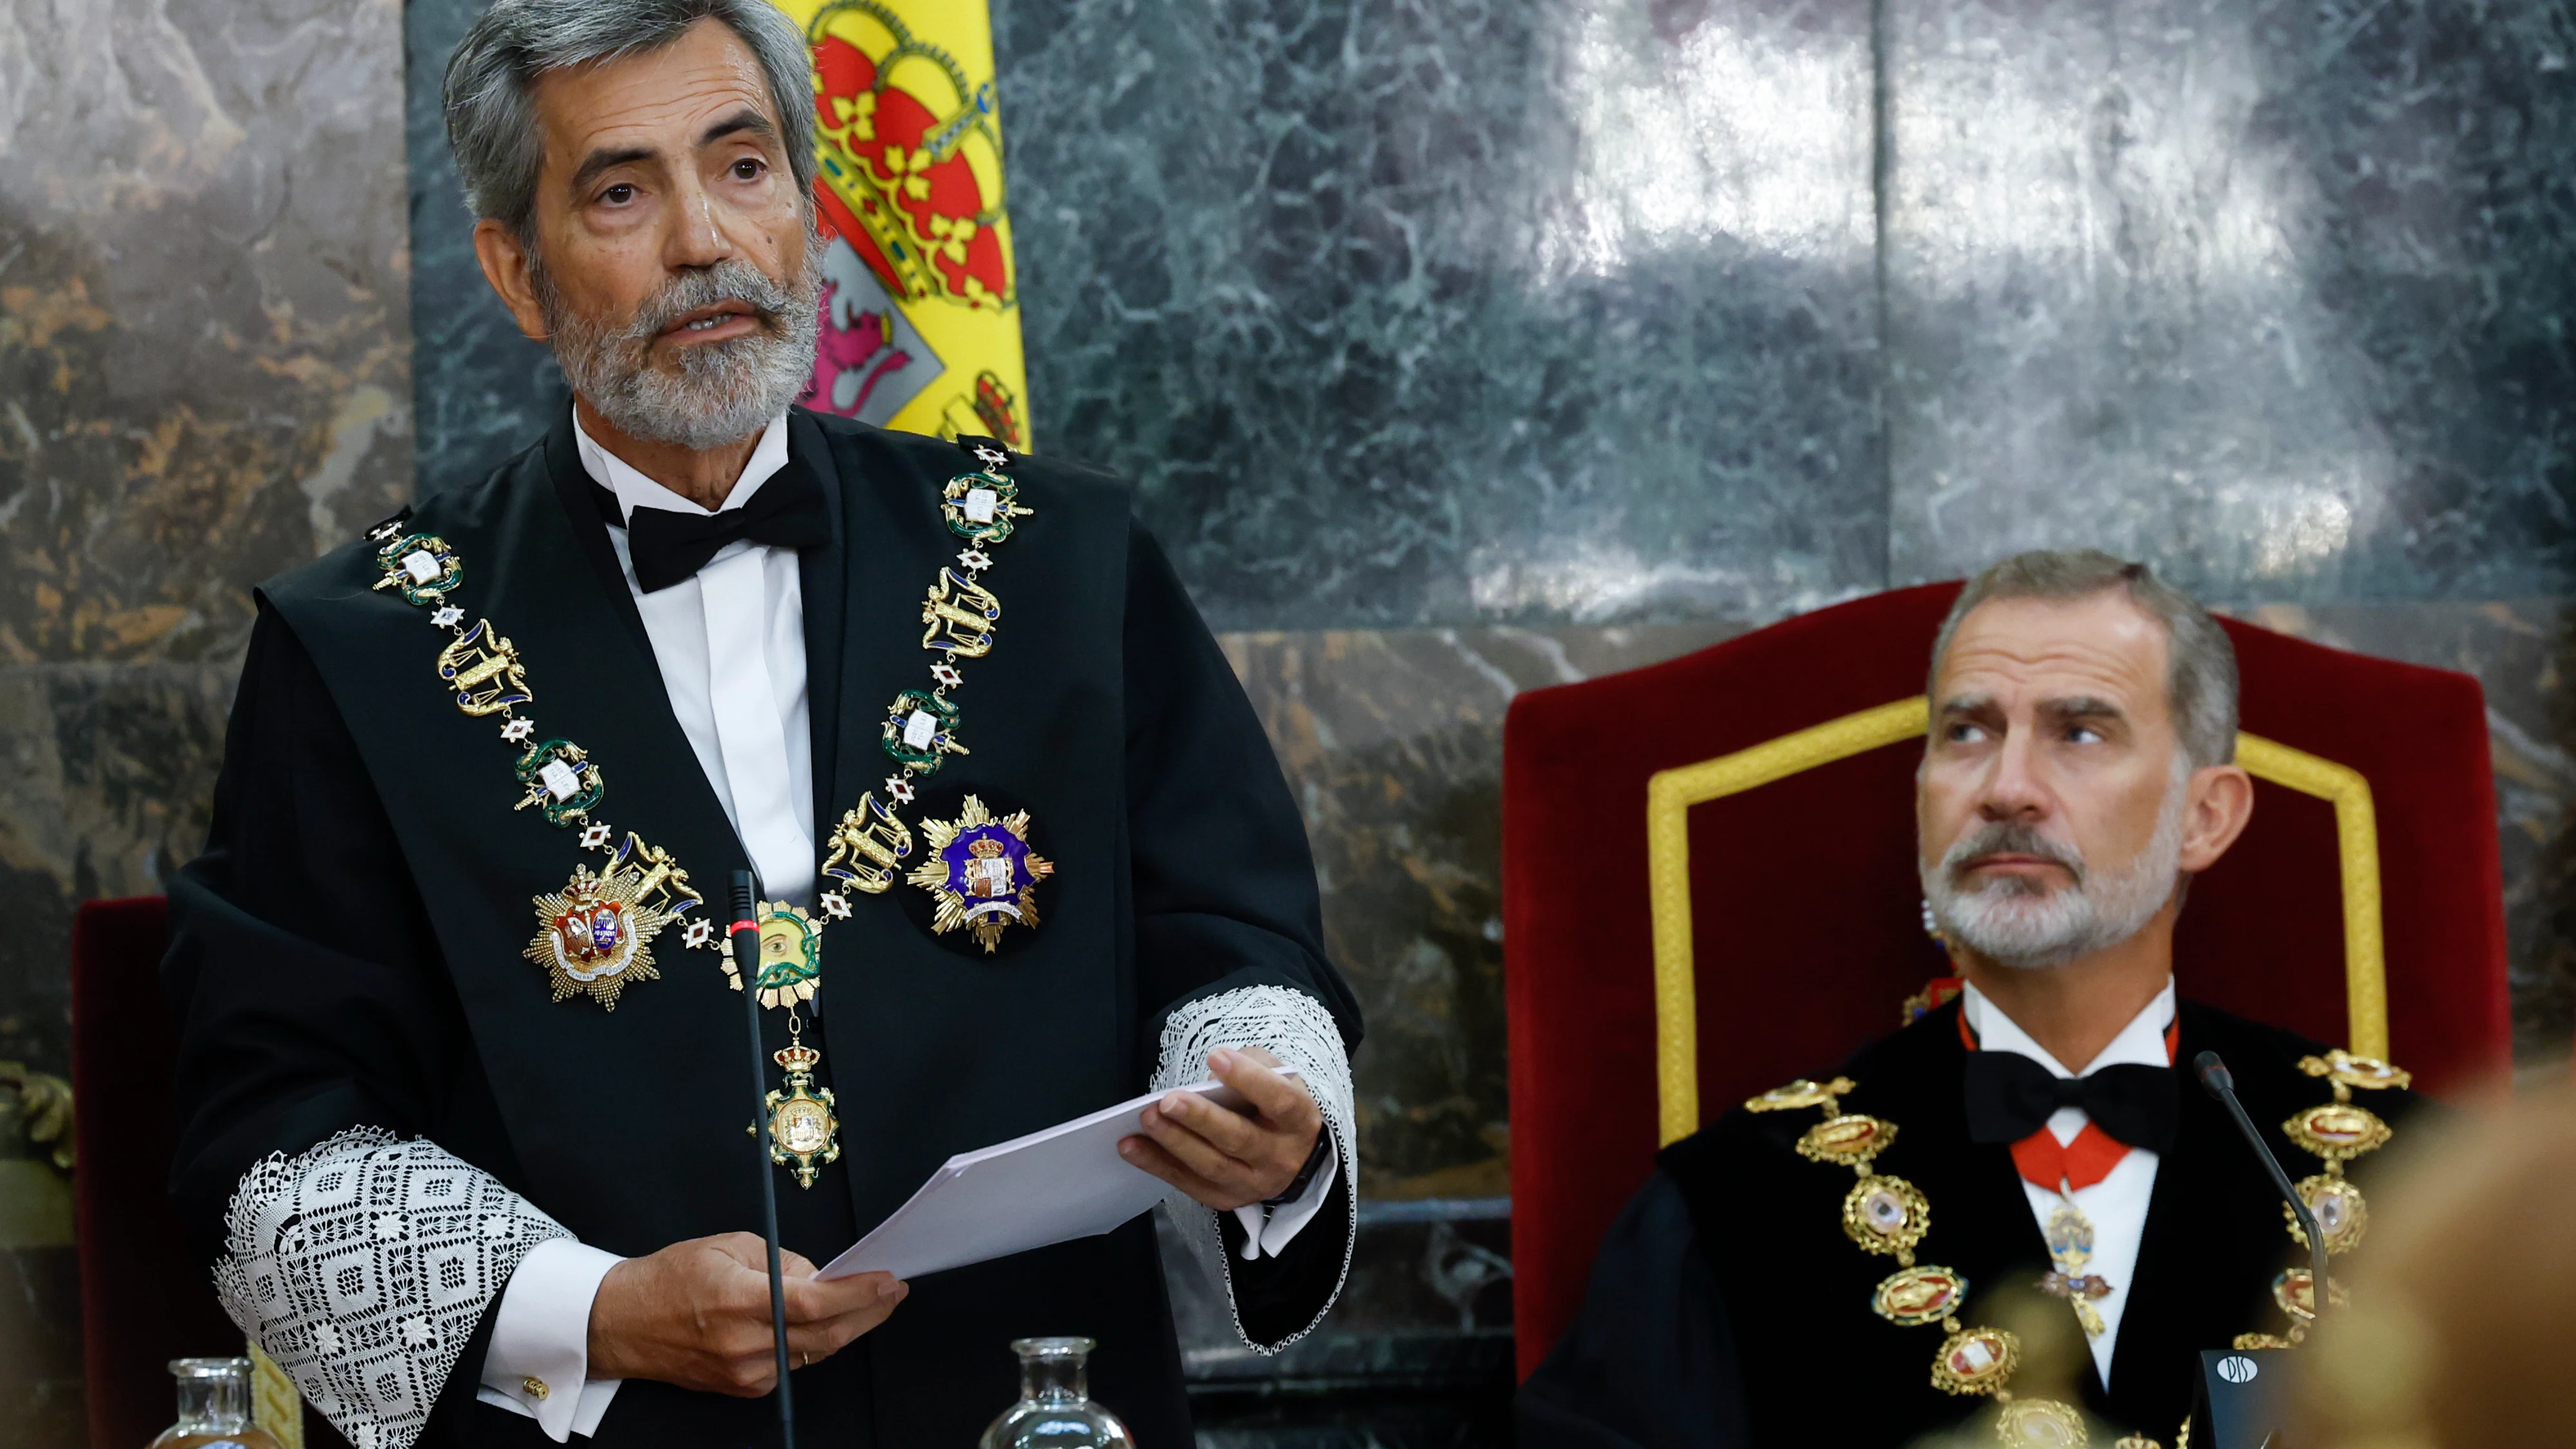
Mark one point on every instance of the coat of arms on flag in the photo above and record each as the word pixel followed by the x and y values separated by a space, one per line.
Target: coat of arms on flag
pixel 920 323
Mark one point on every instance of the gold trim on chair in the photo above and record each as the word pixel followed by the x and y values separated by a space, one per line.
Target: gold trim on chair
pixel 1671 793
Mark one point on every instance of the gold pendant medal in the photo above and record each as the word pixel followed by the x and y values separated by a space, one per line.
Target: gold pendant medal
pixel 2069 1236
pixel 801 1122
pixel 802 1125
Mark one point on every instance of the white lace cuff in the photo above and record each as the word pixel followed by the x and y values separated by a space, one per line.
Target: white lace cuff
pixel 362 1264
pixel 1298 1030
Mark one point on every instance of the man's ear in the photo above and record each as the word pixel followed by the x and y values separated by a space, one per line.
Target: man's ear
pixel 2221 801
pixel 506 267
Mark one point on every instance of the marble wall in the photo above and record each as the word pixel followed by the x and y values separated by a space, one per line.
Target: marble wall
pixel 2273 291
pixel 204 378
pixel 1457 347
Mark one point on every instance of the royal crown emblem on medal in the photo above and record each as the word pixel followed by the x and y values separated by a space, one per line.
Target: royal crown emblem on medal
pixel 596 935
pixel 801 1122
pixel 981 873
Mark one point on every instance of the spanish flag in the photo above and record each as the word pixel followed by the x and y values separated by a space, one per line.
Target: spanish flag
pixel 921 328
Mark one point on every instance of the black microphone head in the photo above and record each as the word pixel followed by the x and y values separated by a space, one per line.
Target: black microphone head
pixel 2213 1073
pixel 745 895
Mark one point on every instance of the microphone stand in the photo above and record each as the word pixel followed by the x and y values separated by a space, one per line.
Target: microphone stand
pixel 2221 1083
pixel 744 937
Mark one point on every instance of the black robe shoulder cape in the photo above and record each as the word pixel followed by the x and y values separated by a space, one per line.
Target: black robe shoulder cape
pixel 1728 1309
pixel 348 950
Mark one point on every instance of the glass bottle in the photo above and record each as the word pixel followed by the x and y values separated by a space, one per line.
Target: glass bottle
pixel 214 1407
pixel 1055 1410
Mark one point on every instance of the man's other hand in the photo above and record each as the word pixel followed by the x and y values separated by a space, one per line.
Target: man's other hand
pixel 1221 1157
pixel 696 1314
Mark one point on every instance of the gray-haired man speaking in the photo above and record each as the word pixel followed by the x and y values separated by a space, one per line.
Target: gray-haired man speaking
pixel 463 1111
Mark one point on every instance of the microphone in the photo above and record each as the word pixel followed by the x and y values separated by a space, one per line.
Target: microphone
pixel 2221 1084
pixel 743 936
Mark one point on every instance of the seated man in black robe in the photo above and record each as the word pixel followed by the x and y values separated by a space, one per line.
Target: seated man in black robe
pixel 1829 1263
pixel 466 1120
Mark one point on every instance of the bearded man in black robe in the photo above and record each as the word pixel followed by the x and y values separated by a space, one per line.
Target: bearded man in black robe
pixel 1831 1262
pixel 464 1123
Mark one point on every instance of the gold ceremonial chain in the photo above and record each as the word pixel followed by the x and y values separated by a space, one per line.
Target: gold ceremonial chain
pixel 596 934
pixel 979 867
pixel 2336 1131
pixel 1888 1215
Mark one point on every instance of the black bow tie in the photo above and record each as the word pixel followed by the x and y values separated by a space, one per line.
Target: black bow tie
pixel 2010 1097
pixel 787 512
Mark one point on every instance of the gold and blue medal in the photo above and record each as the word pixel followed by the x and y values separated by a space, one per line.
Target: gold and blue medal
pixel 981 873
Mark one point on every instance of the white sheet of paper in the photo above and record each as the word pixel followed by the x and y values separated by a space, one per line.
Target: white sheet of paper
pixel 1048 1187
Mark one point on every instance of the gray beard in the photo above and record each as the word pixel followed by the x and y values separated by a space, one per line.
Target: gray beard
pixel 711 394
pixel 2014 926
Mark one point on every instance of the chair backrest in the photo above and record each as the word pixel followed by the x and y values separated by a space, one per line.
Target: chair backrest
pixel 144 1300
pixel 1804 934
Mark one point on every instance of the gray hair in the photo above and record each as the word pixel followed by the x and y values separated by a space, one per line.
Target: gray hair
pixel 2200 667
pixel 492 117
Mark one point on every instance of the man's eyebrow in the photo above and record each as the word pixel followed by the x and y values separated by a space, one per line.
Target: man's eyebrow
pixel 740 121
pixel 1968 704
pixel 2084 706
pixel 605 159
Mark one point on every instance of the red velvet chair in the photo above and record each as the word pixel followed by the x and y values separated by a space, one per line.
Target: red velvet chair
pixel 1778 769
pixel 144 1301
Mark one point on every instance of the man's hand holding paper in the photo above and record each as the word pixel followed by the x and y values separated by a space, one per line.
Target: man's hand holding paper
pixel 1224 1158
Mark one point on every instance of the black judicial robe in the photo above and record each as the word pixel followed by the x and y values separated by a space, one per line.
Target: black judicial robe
pixel 1727 1307
pixel 348 949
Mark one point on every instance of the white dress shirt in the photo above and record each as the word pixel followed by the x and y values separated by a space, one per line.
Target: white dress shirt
pixel 725 640
pixel 2117 1205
